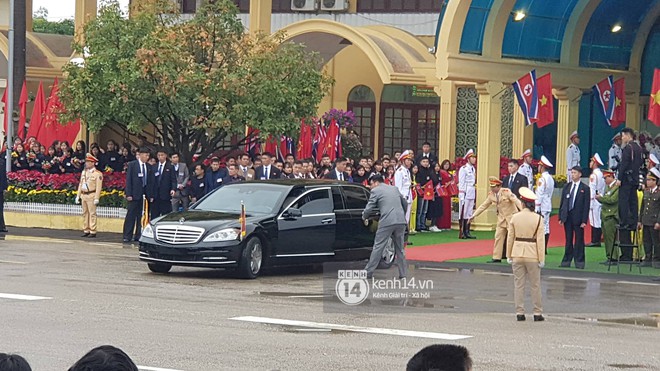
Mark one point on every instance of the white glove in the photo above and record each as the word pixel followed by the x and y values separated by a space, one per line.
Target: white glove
pixel 461 196
pixel 537 210
pixel 96 202
pixel 541 264
pixel 77 200
pixel 509 260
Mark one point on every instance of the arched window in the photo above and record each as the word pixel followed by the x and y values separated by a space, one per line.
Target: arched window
pixel 362 102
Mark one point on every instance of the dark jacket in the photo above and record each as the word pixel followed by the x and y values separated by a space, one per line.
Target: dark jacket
pixel 164 183
pixel 519 181
pixel 580 212
pixel 134 181
pixel 197 187
pixel 649 214
pixel 433 159
pixel 3 176
pixel 229 180
pixel 424 175
pixel 214 179
pixel 275 173
pixel 333 175
pixel 631 162
pixel 112 159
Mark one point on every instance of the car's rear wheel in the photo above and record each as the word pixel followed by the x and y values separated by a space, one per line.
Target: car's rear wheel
pixel 251 259
pixel 389 254
pixel 159 267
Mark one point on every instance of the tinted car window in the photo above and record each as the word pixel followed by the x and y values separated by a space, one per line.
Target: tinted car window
pixel 356 197
pixel 258 199
pixel 337 198
pixel 315 202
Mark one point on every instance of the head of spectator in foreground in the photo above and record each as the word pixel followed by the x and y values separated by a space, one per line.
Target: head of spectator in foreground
pixel 13 362
pixel 105 358
pixel 143 154
pixel 375 180
pixel 441 357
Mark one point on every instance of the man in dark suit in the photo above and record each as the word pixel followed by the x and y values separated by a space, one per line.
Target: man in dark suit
pixel 267 170
pixel 631 162
pixel 3 187
pixel 339 172
pixel 573 215
pixel 426 153
pixel 139 184
pixel 164 187
pixel 514 181
pixel 214 176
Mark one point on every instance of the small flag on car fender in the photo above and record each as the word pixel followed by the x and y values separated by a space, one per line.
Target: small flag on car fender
pixel 145 213
pixel 243 222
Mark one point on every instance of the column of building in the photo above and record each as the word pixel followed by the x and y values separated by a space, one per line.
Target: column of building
pixel 447 128
pixel 567 122
pixel 523 135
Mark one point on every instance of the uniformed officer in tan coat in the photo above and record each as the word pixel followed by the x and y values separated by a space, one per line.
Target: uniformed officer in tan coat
pixel 506 204
pixel 89 191
pixel 526 251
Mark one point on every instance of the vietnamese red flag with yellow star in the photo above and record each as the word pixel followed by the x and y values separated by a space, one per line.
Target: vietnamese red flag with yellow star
pixel 654 103
pixel 619 115
pixel 546 107
pixel 428 191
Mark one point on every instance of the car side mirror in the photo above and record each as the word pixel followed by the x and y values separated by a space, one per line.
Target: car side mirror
pixel 292 213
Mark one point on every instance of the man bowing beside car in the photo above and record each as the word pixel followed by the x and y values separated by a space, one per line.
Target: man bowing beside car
pixel 389 207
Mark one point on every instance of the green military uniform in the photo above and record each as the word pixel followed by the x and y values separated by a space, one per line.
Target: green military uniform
pixel 609 215
pixel 649 215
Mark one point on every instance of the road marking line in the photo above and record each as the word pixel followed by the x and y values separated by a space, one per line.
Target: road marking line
pixel 567 278
pixel 310 296
pixel 638 283
pixel 439 269
pixel 499 273
pixel 108 244
pixel 495 301
pixel 12 262
pixel 22 297
pixel 37 239
pixel 147 368
pixel 368 330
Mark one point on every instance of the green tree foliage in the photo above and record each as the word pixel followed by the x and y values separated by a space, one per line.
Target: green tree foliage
pixel 41 24
pixel 195 81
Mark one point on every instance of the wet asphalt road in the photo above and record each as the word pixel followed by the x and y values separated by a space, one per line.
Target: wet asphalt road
pixel 99 293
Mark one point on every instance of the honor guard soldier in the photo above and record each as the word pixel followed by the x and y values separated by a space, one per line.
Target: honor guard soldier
pixel 467 194
pixel 609 214
pixel 614 154
pixel 89 191
pixel 649 220
pixel 596 186
pixel 402 180
pixel 506 204
pixel 526 167
pixel 525 249
pixel 544 188
pixel 572 153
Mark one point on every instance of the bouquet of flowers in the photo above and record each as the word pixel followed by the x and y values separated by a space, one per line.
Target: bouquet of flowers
pixel 14 154
pixel 108 169
pixel 46 165
pixel 76 161
pixel 32 156
pixel 346 119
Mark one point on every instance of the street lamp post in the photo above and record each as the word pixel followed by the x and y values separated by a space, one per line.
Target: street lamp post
pixel 9 104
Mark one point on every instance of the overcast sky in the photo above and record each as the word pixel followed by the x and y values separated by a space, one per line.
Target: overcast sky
pixel 61 9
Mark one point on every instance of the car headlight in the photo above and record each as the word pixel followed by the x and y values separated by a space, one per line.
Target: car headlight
pixel 223 235
pixel 148 232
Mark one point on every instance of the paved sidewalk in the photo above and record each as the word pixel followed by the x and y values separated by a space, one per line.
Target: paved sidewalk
pixel 61 234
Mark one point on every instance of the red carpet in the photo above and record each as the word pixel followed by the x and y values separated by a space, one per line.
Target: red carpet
pixel 462 250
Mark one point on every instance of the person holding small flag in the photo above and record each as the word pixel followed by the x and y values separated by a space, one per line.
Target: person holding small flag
pixel 89 191
pixel 426 179
pixel 506 204
pixel 572 153
pixel 596 187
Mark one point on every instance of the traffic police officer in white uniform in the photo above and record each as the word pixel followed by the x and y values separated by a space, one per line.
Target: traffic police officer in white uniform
pixel 597 187
pixel 544 188
pixel 467 194
pixel 526 167
pixel 572 153
pixel 402 180
pixel 614 154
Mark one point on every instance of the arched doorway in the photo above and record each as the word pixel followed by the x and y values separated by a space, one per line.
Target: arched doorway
pixel 409 116
pixel 362 101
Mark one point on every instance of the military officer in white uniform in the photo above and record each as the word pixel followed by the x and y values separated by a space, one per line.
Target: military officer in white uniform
pixel 467 194
pixel 614 154
pixel 597 187
pixel 402 180
pixel 526 167
pixel 572 153
pixel 653 162
pixel 544 188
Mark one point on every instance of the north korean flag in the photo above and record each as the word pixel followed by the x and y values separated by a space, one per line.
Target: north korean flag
pixel 605 92
pixel 527 94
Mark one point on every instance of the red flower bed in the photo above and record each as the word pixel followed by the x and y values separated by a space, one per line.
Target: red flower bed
pixel 38 181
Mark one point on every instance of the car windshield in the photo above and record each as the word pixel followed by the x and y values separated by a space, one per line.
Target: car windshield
pixel 258 199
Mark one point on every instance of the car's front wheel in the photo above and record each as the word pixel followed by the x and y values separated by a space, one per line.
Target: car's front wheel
pixel 159 267
pixel 389 254
pixel 251 259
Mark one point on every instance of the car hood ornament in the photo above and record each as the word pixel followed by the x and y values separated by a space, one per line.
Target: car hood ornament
pixel 182 220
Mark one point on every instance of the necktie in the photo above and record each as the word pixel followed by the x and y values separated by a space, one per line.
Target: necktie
pixel 573 189
pixel 510 181
pixel 341 176
pixel 160 169
pixel 144 175
pixel 266 172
